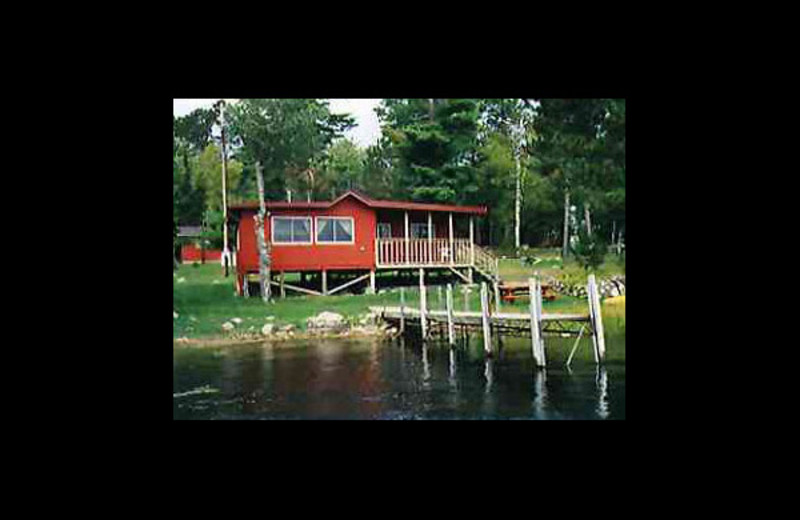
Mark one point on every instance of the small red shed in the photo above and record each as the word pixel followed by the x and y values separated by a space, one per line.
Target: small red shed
pixel 356 235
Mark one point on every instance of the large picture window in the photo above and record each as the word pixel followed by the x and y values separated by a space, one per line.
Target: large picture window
pixel 291 230
pixel 335 230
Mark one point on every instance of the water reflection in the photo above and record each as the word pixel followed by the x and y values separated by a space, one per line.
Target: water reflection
pixel 540 393
pixel 602 386
pixel 339 379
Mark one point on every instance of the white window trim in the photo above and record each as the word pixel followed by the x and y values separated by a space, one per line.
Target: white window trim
pixel 378 226
pixel 287 217
pixel 329 243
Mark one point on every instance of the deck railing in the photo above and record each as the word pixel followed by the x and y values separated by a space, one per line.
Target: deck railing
pixel 422 252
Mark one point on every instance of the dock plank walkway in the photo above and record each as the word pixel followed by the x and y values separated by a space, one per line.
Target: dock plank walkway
pixel 473 317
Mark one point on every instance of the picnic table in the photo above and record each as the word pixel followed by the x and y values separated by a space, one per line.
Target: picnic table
pixel 510 291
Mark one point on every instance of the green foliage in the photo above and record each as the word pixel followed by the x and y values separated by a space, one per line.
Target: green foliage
pixel 342 167
pixel 284 135
pixel 208 175
pixel 589 250
pixel 433 142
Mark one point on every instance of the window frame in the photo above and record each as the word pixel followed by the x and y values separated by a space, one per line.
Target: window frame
pixel 291 217
pixel 335 242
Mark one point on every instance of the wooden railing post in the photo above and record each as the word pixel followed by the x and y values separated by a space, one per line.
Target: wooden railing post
pixel 471 242
pixel 452 249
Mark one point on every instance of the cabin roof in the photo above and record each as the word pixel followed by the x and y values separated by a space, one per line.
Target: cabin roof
pixel 370 202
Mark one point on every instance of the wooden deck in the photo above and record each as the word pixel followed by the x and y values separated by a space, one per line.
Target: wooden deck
pixel 493 323
pixel 474 317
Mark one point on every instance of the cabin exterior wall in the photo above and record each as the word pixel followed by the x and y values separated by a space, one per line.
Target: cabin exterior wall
pixel 314 256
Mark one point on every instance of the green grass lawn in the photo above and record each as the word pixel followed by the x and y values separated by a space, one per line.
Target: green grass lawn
pixel 206 299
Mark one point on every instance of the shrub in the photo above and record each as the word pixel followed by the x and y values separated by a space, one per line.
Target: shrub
pixel 589 250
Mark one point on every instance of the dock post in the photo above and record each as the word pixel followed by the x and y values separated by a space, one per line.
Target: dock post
pixel 487 337
pixel 597 320
pixel 536 343
pixel 372 281
pixel 423 304
pixel 450 332
pixel 324 282
pixel 402 311
pixel 541 317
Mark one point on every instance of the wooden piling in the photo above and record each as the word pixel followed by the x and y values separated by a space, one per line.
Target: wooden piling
pixel 597 319
pixel 536 344
pixel 450 332
pixel 423 305
pixel 487 336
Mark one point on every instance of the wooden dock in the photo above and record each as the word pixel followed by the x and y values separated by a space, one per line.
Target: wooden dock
pixel 534 323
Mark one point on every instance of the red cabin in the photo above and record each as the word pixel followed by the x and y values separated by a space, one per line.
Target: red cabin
pixel 354 236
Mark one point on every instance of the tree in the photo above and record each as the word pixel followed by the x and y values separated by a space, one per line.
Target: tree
pixel 341 168
pixel 284 135
pixel 278 139
pixel 434 142
pixel 567 145
pixel 208 175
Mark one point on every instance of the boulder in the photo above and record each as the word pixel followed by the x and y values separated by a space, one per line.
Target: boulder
pixel 174 315
pixel 228 326
pixel 267 329
pixel 287 328
pixel 327 321
pixel 237 321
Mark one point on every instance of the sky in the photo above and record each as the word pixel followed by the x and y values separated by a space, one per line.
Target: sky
pixel 365 133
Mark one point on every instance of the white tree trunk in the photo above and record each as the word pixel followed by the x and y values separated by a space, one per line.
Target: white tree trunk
pixel 565 250
pixel 517 203
pixel 588 218
pixel 263 248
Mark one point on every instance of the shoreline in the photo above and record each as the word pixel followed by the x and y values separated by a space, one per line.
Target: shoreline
pixel 278 338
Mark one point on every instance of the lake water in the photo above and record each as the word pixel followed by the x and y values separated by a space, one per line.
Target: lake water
pixel 373 379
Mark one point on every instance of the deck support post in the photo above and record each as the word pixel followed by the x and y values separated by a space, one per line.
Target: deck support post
pixel 450 332
pixel 245 286
pixel 487 336
pixel 324 282
pixel 496 296
pixel 469 275
pixel 407 242
pixel 430 238
pixel 471 245
pixel 283 291
pixel 372 281
pixel 423 304
pixel 537 347
pixel 598 338
pixel 452 251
